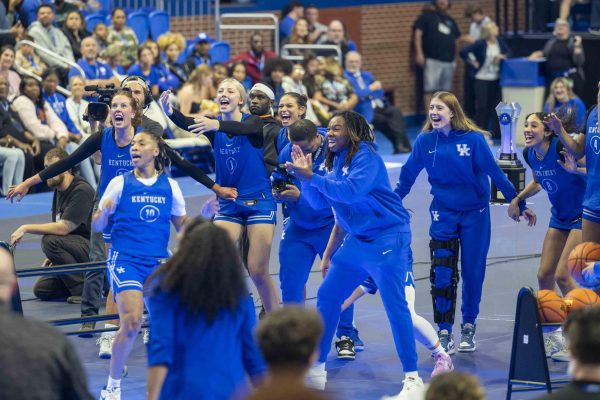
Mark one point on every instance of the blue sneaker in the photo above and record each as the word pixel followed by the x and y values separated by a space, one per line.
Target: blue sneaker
pixel 447 341
pixel 467 338
pixel 358 343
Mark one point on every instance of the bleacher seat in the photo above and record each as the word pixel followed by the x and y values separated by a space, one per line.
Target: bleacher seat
pixel 159 23
pixel 219 52
pixel 92 20
pixel 108 20
pixel 105 5
pixel 138 21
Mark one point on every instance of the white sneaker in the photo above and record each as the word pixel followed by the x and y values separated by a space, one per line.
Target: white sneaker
pixel 110 394
pixel 413 389
pixel 554 342
pixel 316 378
pixel 146 337
pixel 105 342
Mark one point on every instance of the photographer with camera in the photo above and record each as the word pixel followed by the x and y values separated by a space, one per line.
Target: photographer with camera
pixel 114 143
pixel 306 230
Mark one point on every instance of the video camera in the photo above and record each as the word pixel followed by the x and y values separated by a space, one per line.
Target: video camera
pixel 280 177
pixel 98 109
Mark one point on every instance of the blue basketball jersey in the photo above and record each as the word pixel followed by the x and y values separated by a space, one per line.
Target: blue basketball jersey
pixel 115 160
pixel 591 199
pixel 141 222
pixel 241 165
pixel 565 190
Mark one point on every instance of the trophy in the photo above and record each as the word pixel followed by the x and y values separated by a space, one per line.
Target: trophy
pixel 508 114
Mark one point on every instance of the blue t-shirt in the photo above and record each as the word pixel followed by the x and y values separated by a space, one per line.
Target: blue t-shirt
pixel 241 165
pixel 574 105
pixel 141 221
pixel 115 160
pixel 58 102
pixel 301 212
pixel 98 70
pixel 591 200
pixel 152 77
pixel 359 194
pixel 565 190
pixel 458 167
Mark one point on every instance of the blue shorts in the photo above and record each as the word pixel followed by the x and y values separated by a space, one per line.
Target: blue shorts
pixel 252 213
pixel 565 225
pixel 591 215
pixel 127 272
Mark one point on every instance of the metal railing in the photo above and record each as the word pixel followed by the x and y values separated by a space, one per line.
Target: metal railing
pixel 248 27
pixel 53 54
pixel 38 78
pixel 285 51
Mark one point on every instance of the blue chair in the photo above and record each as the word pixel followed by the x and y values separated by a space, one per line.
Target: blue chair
pixel 138 21
pixel 159 23
pixel 108 20
pixel 219 52
pixel 105 5
pixel 92 20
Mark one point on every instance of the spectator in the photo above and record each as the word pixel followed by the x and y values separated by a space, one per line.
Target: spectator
pixel 48 36
pixel 219 72
pixel 237 70
pixel 201 292
pixel 15 137
pixel 255 58
pixel 289 15
pixel 372 105
pixel 334 91
pixel 564 56
pixel 311 69
pixel 435 34
pixel 75 31
pixel 315 28
pixel 565 11
pixel 562 97
pixel 39 118
pixel 65 240
pixel 261 99
pixel 7 60
pixel 336 35
pixel 299 36
pixel 455 386
pixel 62 9
pixel 486 56
pixel 114 59
pixel 13 161
pixel 166 80
pixel 474 12
pixel 26 58
pixel 77 105
pixel 275 70
pixel 200 54
pixel 57 373
pixel 146 69
pixel 294 83
pixel 10 25
pixel 288 339
pixel 172 44
pixel 101 36
pixel 583 334
pixel 196 96
pixel 96 72
pixel 120 33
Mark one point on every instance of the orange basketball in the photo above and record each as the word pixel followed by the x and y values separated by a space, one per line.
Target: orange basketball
pixel 550 306
pixel 580 298
pixel 579 256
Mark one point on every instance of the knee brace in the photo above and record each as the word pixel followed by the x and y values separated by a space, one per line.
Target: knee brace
pixel 444 279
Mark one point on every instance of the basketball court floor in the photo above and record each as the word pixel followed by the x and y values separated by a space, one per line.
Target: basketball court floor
pixel 512 263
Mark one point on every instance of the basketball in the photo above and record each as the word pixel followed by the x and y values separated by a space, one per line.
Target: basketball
pixel 580 298
pixel 550 306
pixel 579 256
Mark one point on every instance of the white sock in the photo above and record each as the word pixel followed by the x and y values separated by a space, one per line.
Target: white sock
pixel 439 349
pixel 113 383
pixel 106 326
pixel 319 366
pixel 413 375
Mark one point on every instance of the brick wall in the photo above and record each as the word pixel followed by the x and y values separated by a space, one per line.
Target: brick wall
pixel 382 33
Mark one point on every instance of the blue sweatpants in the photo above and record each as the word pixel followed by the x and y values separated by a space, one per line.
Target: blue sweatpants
pixel 297 251
pixel 385 259
pixel 473 228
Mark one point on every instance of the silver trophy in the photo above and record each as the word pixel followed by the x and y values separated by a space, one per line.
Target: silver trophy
pixel 508 114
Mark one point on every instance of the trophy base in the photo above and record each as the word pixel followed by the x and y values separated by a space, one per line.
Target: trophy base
pixel 515 173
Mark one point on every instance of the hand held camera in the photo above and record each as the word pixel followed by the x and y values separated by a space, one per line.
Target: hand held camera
pixel 98 109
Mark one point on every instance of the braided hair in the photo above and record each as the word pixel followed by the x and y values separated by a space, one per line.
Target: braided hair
pixel 358 130
pixel 161 161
